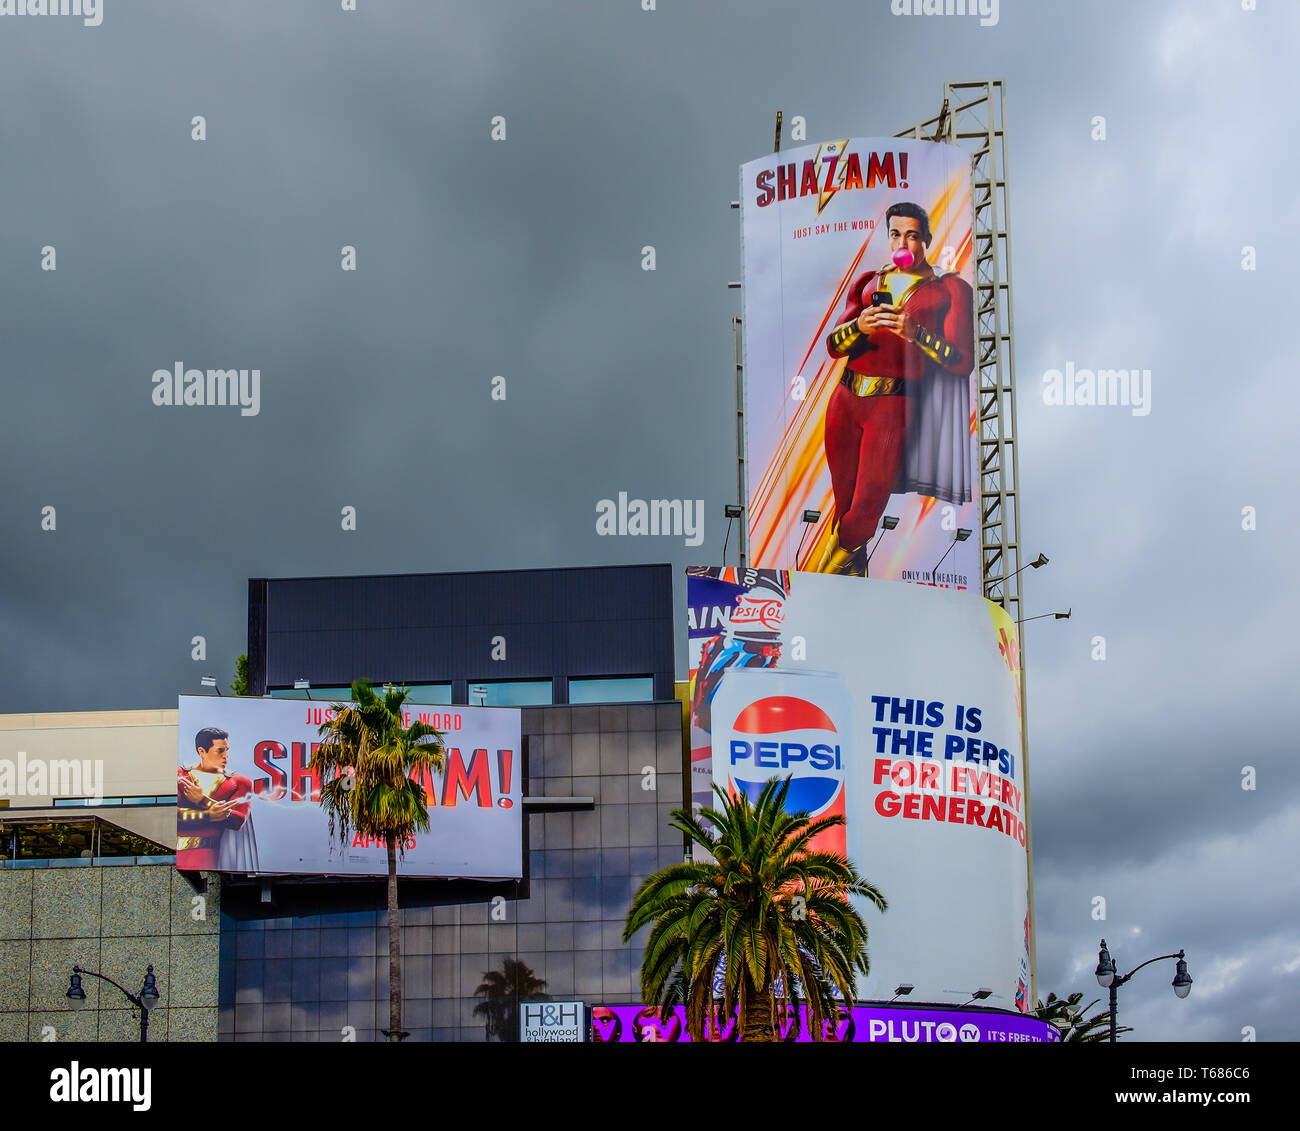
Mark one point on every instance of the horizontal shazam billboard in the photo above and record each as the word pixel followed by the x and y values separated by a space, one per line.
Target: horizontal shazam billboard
pixel 247 802
pixel 898 709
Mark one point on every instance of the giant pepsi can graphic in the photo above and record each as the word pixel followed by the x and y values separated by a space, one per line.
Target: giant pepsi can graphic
pixel 799 724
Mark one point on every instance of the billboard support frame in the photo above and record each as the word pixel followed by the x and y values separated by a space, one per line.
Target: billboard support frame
pixel 742 488
pixel 974 116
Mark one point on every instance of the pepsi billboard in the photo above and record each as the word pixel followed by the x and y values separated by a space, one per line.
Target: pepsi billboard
pixel 898 709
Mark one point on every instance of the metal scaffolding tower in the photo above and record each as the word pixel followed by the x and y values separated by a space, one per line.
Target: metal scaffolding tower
pixel 974 117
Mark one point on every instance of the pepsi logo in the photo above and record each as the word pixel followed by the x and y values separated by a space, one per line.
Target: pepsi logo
pixel 782 735
pixel 766 611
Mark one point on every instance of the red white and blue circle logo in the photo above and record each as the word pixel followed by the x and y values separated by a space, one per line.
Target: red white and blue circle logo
pixel 784 735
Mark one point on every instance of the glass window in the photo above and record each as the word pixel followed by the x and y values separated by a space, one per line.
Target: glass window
pixel 510 693
pixel 436 693
pixel 319 694
pixel 612 689
pixel 101 802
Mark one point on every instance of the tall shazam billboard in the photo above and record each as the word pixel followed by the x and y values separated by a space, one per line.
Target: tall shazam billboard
pixel 860 360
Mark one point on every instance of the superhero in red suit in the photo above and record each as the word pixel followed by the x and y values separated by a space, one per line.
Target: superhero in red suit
pixel 208 803
pixel 899 327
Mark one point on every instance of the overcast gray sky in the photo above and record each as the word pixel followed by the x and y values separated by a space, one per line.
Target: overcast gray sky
pixel 522 258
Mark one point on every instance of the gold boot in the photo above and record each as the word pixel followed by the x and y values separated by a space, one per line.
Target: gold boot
pixel 858 566
pixel 836 559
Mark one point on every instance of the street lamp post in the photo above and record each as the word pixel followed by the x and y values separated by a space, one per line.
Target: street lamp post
pixel 1107 977
pixel 144 1001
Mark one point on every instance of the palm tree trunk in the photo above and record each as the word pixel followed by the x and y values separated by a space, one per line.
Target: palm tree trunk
pixel 394 947
pixel 759 1019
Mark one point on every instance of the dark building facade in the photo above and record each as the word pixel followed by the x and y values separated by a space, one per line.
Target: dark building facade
pixel 458 630
pixel 314 961
pixel 308 960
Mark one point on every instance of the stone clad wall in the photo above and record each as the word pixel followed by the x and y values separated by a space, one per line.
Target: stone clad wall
pixel 116 920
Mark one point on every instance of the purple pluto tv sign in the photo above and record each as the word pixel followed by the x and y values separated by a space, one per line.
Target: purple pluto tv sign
pixel 628 1023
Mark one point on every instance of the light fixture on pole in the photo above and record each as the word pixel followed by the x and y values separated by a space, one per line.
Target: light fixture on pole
pixel 980 995
pixel 1059 616
pixel 1037 563
pixel 303 685
pixel 731 511
pixel 810 519
pixel 962 535
pixel 147 998
pixel 211 681
pixel 902 991
pixel 1108 978
pixel 889 522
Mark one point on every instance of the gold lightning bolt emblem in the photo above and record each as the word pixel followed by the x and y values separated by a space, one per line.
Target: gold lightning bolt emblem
pixel 830 170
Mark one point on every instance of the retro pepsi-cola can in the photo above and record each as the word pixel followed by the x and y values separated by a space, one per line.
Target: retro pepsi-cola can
pixel 770 722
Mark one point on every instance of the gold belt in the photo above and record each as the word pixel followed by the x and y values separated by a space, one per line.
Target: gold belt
pixel 860 385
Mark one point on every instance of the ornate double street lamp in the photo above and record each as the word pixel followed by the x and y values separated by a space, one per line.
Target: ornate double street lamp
pixel 144 1002
pixel 1108 978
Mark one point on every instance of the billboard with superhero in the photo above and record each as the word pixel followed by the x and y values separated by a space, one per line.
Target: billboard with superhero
pixel 247 802
pixel 899 710
pixel 860 360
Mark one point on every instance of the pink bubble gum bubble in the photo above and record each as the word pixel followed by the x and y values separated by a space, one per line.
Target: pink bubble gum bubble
pixel 903 258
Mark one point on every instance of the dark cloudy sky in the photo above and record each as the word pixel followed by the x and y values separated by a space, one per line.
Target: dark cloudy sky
pixel 522 258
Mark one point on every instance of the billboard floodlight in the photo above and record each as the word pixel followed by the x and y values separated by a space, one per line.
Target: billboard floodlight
pixel 809 518
pixel 732 511
pixel 888 522
pixel 961 536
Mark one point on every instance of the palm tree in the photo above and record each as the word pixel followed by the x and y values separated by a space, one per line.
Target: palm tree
pixel 365 761
pixel 767 908
pixel 502 991
pixel 1070 1020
